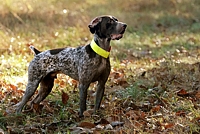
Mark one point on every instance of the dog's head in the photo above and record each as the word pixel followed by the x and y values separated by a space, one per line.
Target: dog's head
pixel 107 27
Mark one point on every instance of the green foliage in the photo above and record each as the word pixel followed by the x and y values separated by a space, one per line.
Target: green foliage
pixel 135 92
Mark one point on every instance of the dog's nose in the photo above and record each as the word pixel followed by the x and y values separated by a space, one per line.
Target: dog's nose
pixel 124 25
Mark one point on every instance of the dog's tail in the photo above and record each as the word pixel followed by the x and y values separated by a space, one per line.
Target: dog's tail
pixel 34 50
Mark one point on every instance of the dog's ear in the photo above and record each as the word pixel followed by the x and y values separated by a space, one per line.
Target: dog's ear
pixel 94 23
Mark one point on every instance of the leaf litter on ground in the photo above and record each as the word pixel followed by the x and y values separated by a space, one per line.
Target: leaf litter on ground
pixel 168 100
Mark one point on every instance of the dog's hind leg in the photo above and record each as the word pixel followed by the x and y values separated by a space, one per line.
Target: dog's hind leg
pixel 46 86
pixel 30 90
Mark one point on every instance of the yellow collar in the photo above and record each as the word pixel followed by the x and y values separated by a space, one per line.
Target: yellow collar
pixel 99 50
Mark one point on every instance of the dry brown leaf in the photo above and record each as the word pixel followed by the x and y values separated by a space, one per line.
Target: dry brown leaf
pixel 1 95
pixel 123 83
pixel 155 108
pixel 87 125
pixel 183 93
pixel 73 82
pixel 137 123
pixel 62 84
pixel 102 122
pixel 56 81
pixel 143 115
pixel 168 125
pixel 133 114
pixel 12 87
pixel 181 113
pixel 65 97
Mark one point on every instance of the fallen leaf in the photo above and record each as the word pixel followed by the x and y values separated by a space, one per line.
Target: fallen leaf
pixel 168 125
pixel 143 87
pixel 181 113
pixel 155 108
pixel 102 121
pixel 13 87
pixel 73 83
pixel 183 93
pixel 2 95
pixel 62 84
pixel 65 97
pixel 143 115
pixel 123 83
pixel 133 114
pixel 87 125
pixel 56 81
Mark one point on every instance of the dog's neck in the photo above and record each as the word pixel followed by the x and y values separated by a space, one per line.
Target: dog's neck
pixel 103 43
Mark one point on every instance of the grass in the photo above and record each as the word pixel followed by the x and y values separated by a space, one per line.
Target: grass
pixel 157 57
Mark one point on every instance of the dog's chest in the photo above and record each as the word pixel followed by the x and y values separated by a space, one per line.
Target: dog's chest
pixel 103 65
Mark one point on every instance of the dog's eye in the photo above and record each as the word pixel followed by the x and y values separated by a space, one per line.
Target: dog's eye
pixel 112 21
pixel 115 19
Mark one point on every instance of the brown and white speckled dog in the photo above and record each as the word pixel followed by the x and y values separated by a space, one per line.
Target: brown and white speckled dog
pixel 82 64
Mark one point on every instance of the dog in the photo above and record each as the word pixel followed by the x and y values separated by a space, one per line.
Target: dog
pixel 85 64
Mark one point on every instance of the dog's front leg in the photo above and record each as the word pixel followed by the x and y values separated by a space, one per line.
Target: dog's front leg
pixel 83 96
pixel 99 95
pixel 101 87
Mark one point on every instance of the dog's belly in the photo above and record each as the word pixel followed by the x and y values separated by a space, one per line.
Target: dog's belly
pixel 66 66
